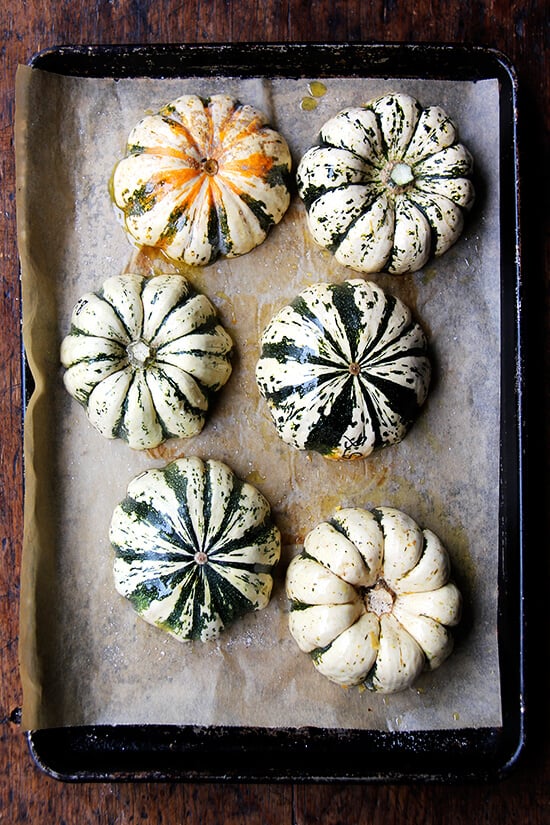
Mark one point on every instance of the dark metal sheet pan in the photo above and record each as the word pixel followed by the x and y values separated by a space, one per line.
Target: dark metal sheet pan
pixel 108 753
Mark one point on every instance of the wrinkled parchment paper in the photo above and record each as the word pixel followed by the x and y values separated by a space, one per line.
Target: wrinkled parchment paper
pixel 86 658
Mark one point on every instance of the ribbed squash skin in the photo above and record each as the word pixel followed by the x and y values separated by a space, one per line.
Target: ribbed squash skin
pixel 371 600
pixel 194 547
pixel 143 357
pixel 388 185
pixel 344 369
pixel 203 178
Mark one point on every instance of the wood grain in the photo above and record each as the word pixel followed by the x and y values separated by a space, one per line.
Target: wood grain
pixel 520 30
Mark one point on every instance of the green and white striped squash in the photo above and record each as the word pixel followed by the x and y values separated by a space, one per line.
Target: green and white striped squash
pixel 387 186
pixel 203 178
pixel 371 600
pixel 144 356
pixel 344 369
pixel 194 547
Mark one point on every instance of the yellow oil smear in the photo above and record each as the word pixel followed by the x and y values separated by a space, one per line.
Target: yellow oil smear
pixel 317 89
pixel 255 477
pixel 428 274
pixel 150 261
pixel 147 261
pixel 224 297
pixel 167 451
pixel 308 104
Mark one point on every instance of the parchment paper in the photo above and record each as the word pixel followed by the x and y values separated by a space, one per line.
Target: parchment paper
pixel 86 658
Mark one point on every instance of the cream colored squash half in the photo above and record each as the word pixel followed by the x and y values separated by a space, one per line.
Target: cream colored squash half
pixel 371 600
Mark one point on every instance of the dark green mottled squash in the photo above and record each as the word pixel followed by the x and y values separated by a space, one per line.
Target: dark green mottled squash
pixel 344 369
pixel 194 548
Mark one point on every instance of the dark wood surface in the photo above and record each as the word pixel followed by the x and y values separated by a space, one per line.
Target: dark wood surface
pixel 520 30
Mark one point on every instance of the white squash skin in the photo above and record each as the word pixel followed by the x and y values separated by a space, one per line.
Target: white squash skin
pixel 356 210
pixel 186 356
pixel 309 582
pixel 431 571
pixel 408 624
pixel 356 129
pixel 345 206
pixel 398 117
pixel 318 625
pixel 367 538
pixel 442 605
pixel 411 239
pixel 337 553
pixel 400 659
pixel 370 237
pixel 435 131
pixel 350 657
pixel 432 636
pixel 403 542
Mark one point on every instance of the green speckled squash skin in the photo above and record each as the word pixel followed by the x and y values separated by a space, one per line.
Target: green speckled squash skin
pixel 344 369
pixel 387 186
pixel 371 599
pixel 194 548
pixel 144 356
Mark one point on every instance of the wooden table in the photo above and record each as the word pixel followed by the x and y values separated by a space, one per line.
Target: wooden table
pixel 519 29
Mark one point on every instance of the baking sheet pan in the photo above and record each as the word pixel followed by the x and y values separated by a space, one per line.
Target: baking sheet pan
pixel 158 751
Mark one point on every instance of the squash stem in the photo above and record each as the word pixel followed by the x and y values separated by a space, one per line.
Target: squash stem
pixel 140 354
pixel 210 166
pixel 379 599
pixel 400 176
